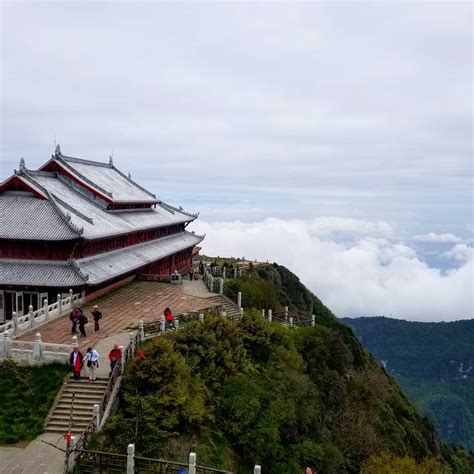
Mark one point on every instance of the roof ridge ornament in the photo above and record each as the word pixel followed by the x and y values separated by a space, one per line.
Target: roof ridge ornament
pixel 22 165
pixel 111 161
pixel 57 152
pixel 129 175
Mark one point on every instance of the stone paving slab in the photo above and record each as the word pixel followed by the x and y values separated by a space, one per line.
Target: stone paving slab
pixel 123 309
pixel 197 288
pixel 36 458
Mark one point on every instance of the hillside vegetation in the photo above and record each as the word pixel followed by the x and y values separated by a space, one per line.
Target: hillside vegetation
pixel 27 396
pixel 434 364
pixel 254 392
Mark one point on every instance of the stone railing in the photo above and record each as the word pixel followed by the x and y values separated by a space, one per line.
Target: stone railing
pixel 214 284
pixel 94 461
pixel 48 312
pixel 289 319
pixel 34 352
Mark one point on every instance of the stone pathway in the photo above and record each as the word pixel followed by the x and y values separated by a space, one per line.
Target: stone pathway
pixel 36 458
pixel 197 288
pixel 122 309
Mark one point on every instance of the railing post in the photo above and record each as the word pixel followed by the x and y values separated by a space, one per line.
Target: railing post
pixel 163 323
pixel 130 459
pixel 270 315
pixel 30 312
pixel 15 323
pixel 71 460
pixel 45 309
pixel 83 296
pixel 239 299
pixel 6 344
pixel 176 324
pixel 37 347
pixel 286 313
pixel 122 359
pixel 141 330
pixel 291 322
pixel 201 317
pixel 313 320
pixel 257 469
pixel 223 314
pixel 241 312
pixel 211 283
pixel 60 304
pixel 96 415
pixel 132 342
pixel 192 463
pixel 223 273
pixel 235 272
pixel 221 286
pixel 263 312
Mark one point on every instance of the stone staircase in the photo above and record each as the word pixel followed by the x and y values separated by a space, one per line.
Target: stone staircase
pixel 230 308
pixel 85 394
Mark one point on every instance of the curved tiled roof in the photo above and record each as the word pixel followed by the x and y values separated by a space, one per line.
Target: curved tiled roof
pixel 39 273
pixel 109 179
pixel 24 216
pixel 100 222
pixel 103 267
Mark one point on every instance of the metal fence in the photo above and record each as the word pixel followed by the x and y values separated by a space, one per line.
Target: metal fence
pixel 98 462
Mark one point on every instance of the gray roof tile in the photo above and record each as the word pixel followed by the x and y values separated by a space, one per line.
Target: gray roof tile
pixel 102 267
pixel 39 273
pixel 25 216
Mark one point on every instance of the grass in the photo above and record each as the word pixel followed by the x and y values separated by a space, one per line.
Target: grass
pixel 27 395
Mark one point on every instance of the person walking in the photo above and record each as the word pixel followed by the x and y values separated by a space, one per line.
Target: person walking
pixel 97 316
pixel 74 317
pixel 114 355
pixel 92 361
pixel 76 361
pixel 82 323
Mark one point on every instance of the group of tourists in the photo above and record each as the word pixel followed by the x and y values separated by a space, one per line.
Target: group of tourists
pixel 78 318
pixel 91 361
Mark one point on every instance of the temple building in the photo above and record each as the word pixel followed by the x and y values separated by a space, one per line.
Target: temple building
pixel 83 225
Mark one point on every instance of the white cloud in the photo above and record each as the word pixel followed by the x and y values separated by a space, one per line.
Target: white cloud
pixel 438 238
pixel 459 253
pixel 370 273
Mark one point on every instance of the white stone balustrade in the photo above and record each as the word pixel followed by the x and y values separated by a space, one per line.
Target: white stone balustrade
pixel 34 352
pixel 21 324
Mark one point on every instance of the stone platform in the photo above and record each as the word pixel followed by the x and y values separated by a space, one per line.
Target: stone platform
pixel 122 309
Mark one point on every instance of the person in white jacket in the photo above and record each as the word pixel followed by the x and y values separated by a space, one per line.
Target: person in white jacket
pixel 92 362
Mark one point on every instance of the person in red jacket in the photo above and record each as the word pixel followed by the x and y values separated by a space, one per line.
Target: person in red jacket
pixel 169 316
pixel 75 359
pixel 114 355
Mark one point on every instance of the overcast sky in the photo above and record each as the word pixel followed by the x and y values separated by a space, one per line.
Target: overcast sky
pixel 257 114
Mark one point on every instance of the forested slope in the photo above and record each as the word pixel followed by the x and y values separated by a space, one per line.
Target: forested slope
pixel 434 363
pixel 254 392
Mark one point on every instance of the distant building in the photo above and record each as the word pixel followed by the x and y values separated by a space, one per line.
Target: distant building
pixel 83 225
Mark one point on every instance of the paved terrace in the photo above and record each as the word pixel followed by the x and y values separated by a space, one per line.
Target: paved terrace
pixel 125 307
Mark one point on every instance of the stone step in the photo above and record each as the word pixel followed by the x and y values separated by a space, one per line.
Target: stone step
pixel 81 405
pixel 64 428
pixel 81 397
pixel 83 411
pixel 89 383
pixel 63 425
pixel 75 419
pixel 91 391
